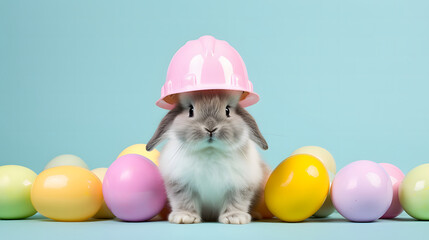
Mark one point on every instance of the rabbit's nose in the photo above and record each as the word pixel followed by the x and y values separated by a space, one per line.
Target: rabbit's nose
pixel 211 131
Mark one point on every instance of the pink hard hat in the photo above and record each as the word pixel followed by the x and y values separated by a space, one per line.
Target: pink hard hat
pixel 206 64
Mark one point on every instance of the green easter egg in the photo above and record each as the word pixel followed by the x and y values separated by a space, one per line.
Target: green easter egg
pixel 15 192
pixel 414 192
pixel 326 209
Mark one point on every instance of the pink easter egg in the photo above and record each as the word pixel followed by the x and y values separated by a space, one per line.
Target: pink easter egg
pixel 133 188
pixel 396 176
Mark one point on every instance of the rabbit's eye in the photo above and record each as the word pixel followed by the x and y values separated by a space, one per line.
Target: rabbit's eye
pixel 227 111
pixel 191 111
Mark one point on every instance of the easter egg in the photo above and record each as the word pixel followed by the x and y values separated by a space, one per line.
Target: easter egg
pixel 67 193
pixel 140 149
pixel 326 209
pixel 15 192
pixel 165 211
pixel 362 191
pixel 414 192
pixel 104 212
pixel 328 161
pixel 66 160
pixel 297 188
pixel 134 189
pixel 260 209
pixel 321 154
pixel 396 177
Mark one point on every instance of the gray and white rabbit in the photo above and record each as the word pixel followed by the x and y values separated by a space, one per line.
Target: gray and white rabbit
pixel 210 163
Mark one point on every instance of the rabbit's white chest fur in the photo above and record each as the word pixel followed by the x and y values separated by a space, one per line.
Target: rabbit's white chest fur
pixel 211 174
pixel 210 163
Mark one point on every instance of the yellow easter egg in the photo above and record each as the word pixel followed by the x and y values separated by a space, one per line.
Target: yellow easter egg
pixel 140 149
pixel 321 154
pixel 66 160
pixel 104 212
pixel 67 193
pixel 297 188
pixel 329 162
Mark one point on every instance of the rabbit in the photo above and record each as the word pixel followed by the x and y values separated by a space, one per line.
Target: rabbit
pixel 210 163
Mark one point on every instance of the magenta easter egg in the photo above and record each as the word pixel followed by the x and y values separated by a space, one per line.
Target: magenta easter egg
pixel 362 191
pixel 133 188
pixel 396 176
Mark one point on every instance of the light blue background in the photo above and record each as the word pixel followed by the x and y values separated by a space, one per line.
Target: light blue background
pixel 82 77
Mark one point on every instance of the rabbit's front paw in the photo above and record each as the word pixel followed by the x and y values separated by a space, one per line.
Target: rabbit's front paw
pixel 184 217
pixel 235 218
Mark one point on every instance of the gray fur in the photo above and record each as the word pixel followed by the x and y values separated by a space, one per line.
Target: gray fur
pixel 163 127
pixel 250 121
pixel 210 175
pixel 183 204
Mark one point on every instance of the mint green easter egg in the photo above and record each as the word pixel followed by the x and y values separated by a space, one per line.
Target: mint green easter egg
pixel 15 192
pixel 414 192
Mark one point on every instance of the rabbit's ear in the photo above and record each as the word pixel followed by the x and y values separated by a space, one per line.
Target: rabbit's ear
pixel 164 125
pixel 255 134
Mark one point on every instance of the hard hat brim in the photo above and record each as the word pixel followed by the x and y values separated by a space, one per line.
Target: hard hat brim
pixel 169 102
